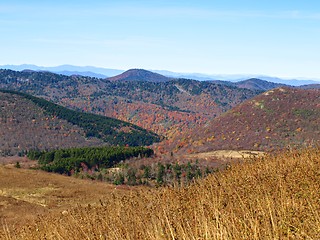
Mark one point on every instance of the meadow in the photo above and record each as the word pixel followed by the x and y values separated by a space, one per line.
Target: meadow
pixel 270 197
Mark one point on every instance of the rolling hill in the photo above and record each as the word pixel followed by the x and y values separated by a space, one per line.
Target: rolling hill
pixel 279 118
pixel 28 123
pixel 167 108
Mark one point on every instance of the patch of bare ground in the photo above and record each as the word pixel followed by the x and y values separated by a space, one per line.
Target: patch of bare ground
pixel 27 194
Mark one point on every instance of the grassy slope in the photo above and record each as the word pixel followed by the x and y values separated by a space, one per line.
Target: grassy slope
pixel 26 194
pixel 276 197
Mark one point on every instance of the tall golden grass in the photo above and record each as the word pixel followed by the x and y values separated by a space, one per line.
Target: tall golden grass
pixel 274 197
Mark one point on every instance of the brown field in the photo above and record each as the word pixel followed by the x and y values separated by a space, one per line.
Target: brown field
pixel 27 194
pixel 271 197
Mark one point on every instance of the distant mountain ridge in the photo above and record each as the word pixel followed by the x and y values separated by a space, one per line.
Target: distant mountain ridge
pixel 253 84
pixel 237 77
pixel 258 84
pixel 109 72
pixel 84 74
pixel 310 86
pixel 68 70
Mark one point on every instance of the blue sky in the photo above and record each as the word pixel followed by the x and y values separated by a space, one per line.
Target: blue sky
pixel 277 38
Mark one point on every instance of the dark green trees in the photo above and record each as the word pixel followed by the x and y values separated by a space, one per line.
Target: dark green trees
pixel 65 161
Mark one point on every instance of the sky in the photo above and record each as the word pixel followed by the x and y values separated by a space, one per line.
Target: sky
pixel 275 38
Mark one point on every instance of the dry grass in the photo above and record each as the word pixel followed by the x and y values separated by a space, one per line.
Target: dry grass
pixel 275 197
pixel 26 194
pixel 225 154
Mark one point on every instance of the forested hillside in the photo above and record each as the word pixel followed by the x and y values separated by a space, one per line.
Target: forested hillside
pixel 277 119
pixel 28 122
pixel 26 126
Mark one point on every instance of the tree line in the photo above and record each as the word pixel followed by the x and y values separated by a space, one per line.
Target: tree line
pixel 69 161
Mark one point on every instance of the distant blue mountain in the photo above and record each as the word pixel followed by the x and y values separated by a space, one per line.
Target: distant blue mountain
pixel 237 78
pixel 68 70
pixel 86 74
pixel 292 82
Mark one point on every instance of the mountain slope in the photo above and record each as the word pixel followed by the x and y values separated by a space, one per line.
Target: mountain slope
pixel 25 126
pixel 139 75
pixel 28 122
pixel 273 120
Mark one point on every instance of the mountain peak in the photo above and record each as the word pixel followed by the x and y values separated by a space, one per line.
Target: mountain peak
pixel 139 75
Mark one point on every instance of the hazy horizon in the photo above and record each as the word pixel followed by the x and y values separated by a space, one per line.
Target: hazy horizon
pixel 110 72
pixel 232 37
